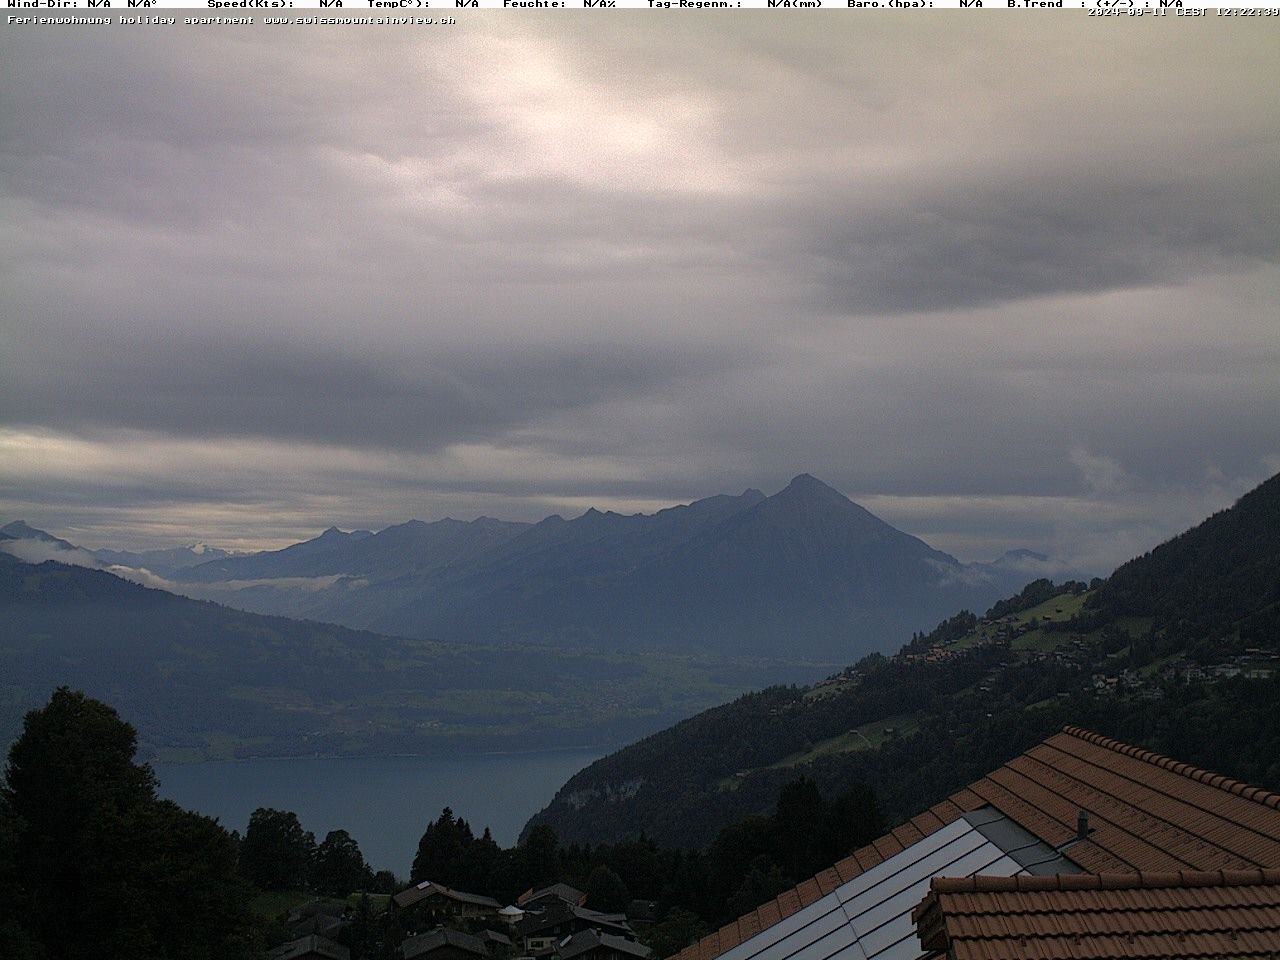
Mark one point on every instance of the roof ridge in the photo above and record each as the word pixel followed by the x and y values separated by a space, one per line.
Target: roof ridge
pixel 1149 880
pixel 1200 775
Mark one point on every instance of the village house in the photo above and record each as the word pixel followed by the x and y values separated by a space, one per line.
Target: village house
pixel 324 917
pixel 594 945
pixel 444 944
pixel 557 892
pixel 436 903
pixel 311 947
pixel 540 932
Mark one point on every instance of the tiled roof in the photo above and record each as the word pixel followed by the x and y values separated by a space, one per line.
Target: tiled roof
pixel 559 912
pixel 586 941
pixel 1145 812
pixel 1143 916
pixel 561 891
pixel 426 889
pixel 312 947
pixel 442 937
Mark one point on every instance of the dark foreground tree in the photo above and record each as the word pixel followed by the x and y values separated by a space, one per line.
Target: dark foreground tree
pixel 276 853
pixel 101 868
pixel 440 851
pixel 339 868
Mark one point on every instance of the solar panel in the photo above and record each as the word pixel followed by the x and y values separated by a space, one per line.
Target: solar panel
pixel 869 918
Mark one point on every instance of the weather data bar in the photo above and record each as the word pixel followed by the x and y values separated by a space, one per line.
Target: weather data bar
pixel 144 13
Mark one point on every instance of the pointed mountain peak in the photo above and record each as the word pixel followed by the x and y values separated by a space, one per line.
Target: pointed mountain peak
pixel 21 530
pixel 810 488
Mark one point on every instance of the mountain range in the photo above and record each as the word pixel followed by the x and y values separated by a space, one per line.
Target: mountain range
pixel 1178 649
pixel 455 634
pixel 30 543
pixel 806 569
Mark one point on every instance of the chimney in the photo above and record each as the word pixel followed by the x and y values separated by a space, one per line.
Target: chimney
pixel 1082 826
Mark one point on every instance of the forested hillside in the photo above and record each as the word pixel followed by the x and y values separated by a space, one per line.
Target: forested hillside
pixel 202 681
pixel 1177 651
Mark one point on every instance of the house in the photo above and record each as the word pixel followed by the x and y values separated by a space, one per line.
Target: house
pixel 438 902
pixel 312 947
pixel 594 945
pixel 539 932
pixel 324 924
pixel 1205 914
pixel 498 944
pixel 1078 803
pixel 444 944
pixel 557 891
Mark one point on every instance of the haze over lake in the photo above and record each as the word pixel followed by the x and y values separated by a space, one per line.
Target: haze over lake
pixel 385 803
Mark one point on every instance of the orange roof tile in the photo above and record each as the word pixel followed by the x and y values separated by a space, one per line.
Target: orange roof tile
pixel 1146 812
pixel 1136 916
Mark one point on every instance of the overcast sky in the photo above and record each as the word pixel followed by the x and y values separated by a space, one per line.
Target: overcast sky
pixel 1007 280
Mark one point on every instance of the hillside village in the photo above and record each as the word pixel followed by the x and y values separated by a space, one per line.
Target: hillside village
pixel 430 921
pixel 1056 632
pixel 1081 848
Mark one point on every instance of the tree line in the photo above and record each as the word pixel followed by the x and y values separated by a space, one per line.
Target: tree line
pixel 94 866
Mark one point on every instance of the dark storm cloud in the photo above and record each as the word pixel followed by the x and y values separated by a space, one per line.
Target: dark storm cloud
pixel 212 388
pixel 989 247
pixel 1008 278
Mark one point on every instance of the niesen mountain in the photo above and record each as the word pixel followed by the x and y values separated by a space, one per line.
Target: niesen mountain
pixel 1178 650
pixel 806 570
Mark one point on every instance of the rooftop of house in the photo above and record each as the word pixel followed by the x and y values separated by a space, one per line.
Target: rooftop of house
pixel 1134 916
pixel 309 947
pixel 425 943
pixel 1140 811
pixel 493 936
pixel 426 889
pixel 587 940
pixel 558 912
pixel 561 891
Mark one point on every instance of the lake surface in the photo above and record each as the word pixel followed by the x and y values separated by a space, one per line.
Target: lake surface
pixel 385 803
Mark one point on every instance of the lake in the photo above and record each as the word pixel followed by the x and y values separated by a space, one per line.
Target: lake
pixel 385 803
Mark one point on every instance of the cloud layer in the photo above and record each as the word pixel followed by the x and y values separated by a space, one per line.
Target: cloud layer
pixel 1009 284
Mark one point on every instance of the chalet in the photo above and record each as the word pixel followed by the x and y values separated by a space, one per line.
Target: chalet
pixel 438 902
pixel 594 945
pixel 1078 808
pixel 556 892
pixel 321 923
pixel 539 932
pixel 498 944
pixel 312 947
pixel 444 944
